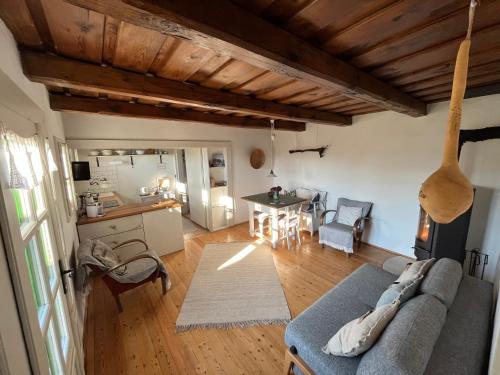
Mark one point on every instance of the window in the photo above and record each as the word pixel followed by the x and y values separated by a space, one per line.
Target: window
pixel 23 208
pixel 35 249
pixel 52 167
pixel 36 279
pixel 67 179
pixel 47 251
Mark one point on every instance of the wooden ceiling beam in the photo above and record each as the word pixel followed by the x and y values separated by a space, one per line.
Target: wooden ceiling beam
pixel 474 92
pixel 63 72
pixel 40 20
pixel 79 104
pixel 230 30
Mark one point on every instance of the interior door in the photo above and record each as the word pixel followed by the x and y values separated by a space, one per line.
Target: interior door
pixel 197 191
pixel 29 233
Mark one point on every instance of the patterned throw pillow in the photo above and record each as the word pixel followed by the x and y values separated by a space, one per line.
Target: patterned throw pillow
pixel 359 335
pixel 349 215
pixel 400 291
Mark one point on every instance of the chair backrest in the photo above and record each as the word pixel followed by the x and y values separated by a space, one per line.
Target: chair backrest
pixel 308 193
pixel 366 207
pixel 85 257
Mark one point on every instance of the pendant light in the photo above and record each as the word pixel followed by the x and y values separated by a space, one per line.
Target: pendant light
pixel 271 172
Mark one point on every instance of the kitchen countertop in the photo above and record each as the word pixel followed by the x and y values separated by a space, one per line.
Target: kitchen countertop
pixel 129 210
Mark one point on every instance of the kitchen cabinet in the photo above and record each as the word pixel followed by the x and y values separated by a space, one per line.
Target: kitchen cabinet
pixel 163 230
pixel 160 227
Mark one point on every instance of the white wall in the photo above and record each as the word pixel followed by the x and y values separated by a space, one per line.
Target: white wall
pixel 384 157
pixel 246 180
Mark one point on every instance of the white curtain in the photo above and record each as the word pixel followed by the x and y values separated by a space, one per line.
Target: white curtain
pixel 24 160
pixel 50 158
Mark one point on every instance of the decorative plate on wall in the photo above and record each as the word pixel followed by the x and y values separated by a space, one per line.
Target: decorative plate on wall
pixel 257 158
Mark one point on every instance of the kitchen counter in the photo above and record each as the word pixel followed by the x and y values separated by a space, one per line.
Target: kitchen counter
pixel 129 210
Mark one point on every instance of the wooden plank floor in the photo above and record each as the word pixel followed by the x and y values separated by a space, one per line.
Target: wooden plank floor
pixel 142 339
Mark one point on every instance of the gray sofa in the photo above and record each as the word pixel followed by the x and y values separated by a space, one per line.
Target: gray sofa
pixel 445 329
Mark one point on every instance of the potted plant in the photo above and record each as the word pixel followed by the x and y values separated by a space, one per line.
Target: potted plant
pixel 275 192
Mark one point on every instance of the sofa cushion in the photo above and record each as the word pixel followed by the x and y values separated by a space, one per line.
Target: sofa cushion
pixel 351 298
pixel 407 342
pixel 442 280
pixel 463 346
pixel 401 291
pixel 360 334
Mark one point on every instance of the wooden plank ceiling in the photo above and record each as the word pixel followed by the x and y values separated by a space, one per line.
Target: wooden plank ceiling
pixel 395 55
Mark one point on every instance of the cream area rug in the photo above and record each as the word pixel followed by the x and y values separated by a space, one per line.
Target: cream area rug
pixel 235 285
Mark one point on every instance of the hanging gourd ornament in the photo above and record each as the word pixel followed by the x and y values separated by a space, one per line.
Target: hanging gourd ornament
pixel 447 193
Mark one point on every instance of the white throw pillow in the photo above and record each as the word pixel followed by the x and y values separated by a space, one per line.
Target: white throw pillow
pixel 415 270
pixel 349 215
pixel 359 335
pixel 400 291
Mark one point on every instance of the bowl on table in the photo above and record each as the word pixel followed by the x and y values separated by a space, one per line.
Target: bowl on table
pixel 106 152
pixel 139 152
pixel 94 153
pixel 121 152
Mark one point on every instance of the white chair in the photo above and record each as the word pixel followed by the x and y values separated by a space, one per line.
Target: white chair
pixel 310 216
pixel 288 221
pixel 290 225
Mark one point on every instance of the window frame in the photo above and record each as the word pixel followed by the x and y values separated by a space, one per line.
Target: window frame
pixel 68 187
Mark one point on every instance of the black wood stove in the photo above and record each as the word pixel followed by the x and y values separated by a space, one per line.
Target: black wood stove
pixel 435 240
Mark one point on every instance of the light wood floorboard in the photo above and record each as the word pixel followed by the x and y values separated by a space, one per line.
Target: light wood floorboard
pixel 142 339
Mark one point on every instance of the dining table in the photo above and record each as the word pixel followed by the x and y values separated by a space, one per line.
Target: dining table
pixel 266 204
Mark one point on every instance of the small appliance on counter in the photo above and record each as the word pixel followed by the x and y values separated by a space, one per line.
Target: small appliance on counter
pixel 95 209
pixel 88 199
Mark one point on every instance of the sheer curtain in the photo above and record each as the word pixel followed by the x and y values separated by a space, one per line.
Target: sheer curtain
pixel 24 161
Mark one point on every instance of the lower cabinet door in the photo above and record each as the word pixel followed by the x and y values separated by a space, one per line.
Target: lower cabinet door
pixel 219 219
pixel 163 230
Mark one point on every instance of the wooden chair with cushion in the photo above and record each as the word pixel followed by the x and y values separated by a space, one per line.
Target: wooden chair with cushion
pixel 346 228
pixel 128 273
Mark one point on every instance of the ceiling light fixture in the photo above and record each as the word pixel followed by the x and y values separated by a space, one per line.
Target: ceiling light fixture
pixel 271 173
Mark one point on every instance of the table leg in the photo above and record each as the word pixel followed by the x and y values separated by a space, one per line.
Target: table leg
pixel 251 223
pixel 274 228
